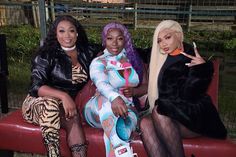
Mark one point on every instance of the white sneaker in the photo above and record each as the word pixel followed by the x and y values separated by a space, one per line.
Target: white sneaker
pixel 124 151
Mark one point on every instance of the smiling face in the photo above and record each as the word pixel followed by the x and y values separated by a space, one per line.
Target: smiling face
pixel 168 40
pixel 66 34
pixel 115 41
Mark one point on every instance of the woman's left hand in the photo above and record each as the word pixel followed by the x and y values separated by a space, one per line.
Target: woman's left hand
pixel 119 107
pixel 197 59
pixel 128 91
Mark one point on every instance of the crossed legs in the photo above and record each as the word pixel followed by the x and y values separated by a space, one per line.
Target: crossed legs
pixel 49 114
pixel 162 136
pixel 75 136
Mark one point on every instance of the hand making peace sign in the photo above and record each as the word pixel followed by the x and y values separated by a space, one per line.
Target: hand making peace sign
pixel 197 59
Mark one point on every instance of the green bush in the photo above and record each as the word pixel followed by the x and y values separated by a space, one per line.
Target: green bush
pixel 21 41
pixel 214 41
pixel 24 39
pixel 141 38
pixel 230 45
pixel 19 77
pixel 94 35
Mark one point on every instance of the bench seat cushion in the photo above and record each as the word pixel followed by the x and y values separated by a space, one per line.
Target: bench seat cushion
pixel 18 135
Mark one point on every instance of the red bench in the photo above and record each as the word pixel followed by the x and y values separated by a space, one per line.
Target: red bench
pixel 18 135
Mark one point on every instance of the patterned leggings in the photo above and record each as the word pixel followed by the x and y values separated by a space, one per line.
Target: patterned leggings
pixel 45 112
pixel 98 113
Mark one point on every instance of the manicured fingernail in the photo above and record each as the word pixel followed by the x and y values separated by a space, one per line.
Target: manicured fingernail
pixel 187 64
pixel 194 45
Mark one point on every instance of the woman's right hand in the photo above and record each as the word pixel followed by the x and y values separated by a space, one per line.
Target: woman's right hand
pixel 119 107
pixel 69 106
pixel 68 103
pixel 195 60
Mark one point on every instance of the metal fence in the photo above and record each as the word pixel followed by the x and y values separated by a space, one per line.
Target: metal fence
pixel 192 14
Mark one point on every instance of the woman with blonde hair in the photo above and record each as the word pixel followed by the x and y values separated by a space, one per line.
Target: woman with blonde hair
pixel 178 80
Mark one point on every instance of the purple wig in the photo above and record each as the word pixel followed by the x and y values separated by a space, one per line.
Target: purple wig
pixel 131 53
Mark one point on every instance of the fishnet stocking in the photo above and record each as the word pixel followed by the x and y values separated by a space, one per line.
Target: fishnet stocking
pixel 154 147
pixel 75 136
pixel 168 132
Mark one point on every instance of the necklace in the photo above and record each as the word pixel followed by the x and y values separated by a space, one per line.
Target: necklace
pixel 68 48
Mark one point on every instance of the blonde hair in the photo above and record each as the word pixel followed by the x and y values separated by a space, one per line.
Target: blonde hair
pixel 158 58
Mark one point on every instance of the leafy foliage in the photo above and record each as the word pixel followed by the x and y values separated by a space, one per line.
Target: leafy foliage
pixel 94 35
pixel 21 41
pixel 214 41
pixel 230 45
pixel 19 77
pixel 142 37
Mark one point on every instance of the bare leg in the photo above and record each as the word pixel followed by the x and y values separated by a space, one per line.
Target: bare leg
pixel 75 136
pixel 153 145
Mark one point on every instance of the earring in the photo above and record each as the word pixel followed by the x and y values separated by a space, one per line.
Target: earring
pixel 77 34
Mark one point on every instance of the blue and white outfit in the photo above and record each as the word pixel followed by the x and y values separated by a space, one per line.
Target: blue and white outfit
pixel 105 72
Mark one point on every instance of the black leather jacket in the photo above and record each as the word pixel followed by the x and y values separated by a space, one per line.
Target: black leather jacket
pixel 55 70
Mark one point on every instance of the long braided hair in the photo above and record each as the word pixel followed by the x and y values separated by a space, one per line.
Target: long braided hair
pixel 131 53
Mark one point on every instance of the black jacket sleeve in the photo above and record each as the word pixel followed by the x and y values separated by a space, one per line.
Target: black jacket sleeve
pixel 198 80
pixel 39 74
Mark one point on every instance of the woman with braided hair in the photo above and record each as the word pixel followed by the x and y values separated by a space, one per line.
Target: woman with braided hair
pixel 119 76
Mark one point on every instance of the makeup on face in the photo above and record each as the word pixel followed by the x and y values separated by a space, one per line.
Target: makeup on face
pixel 66 34
pixel 168 41
pixel 115 41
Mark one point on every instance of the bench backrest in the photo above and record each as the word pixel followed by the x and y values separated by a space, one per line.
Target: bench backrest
pixel 89 89
pixel 213 89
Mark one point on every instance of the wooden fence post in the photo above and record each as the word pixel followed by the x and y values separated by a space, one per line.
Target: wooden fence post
pixel 52 6
pixel 189 17
pixel 135 15
pixel 42 16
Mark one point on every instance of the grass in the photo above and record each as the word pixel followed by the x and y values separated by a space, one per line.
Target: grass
pixel 19 77
pixel 227 110
pixel 227 96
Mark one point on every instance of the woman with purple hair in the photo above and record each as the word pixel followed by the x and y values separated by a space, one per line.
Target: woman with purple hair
pixel 119 76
